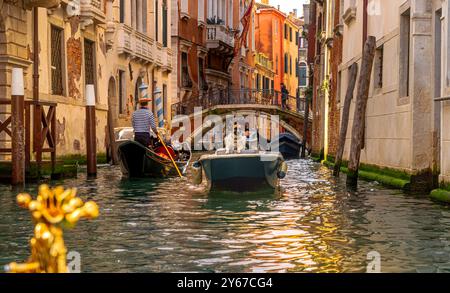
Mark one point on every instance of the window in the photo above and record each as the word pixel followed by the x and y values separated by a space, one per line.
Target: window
pixel 230 14
pixel 156 20
pixel 201 74
pixel 89 62
pixel 341 11
pixel 286 63
pixel 378 67
pixel 296 67
pixel 201 10
pixel 297 37
pixel 285 31
pixel 405 39
pixel 122 92
pixel 185 78
pixel 164 19
pixel 122 11
pixel 144 16
pixel 303 71
pixel 290 34
pixel 290 65
pixel 184 7
pixel 56 60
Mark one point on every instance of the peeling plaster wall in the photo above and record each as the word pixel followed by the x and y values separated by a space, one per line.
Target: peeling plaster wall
pixel 70 111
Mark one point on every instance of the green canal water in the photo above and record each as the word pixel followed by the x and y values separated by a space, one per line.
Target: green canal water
pixel 312 225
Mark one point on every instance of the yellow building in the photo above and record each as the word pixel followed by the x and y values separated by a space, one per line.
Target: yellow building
pixel 292 33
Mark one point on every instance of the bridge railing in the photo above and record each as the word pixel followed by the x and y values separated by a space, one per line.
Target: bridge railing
pixel 211 98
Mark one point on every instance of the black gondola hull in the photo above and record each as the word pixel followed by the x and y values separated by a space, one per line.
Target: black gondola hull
pixel 137 161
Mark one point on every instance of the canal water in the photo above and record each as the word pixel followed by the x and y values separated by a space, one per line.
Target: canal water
pixel 312 225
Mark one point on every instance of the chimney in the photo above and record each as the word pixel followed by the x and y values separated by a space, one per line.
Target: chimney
pixel 278 7
pixel 265 2
pixel 295 12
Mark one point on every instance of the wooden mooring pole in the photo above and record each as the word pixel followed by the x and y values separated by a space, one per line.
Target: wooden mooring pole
pixel 360 110
pixel 17 127
pixel 345 118
pixel 91 137
pixel 305 127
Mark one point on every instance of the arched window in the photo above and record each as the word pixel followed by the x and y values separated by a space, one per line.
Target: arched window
pixel 303 71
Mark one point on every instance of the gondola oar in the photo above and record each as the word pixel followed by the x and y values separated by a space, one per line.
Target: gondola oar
pixel 170 156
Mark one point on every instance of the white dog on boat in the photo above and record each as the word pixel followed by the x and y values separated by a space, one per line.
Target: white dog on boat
pixel 230 140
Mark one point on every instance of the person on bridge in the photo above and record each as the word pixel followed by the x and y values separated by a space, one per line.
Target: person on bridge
pixel 284 96
pixel 143 120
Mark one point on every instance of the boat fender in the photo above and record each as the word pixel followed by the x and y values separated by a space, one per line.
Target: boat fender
pixel 282 171
pixel 197 173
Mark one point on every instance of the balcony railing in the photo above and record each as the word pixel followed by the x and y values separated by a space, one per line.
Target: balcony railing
pixel 134 43
pixel 92 10
pixel 262 60
pixel 167 59
pixel 244 96
pixel 218 33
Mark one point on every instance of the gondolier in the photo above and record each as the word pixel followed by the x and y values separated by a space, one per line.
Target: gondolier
pixel 143 120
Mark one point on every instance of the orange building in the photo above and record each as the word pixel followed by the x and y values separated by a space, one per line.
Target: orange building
pixel 269 32
pixel 203 41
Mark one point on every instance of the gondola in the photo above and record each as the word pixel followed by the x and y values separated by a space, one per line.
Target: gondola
pixel 288 145
pixel 138 161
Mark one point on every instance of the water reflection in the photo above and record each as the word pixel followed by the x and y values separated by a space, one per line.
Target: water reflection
pixel 313 224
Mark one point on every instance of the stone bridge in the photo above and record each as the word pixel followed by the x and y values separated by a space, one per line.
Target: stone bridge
pixel 291 121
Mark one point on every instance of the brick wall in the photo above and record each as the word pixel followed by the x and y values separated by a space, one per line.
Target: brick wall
pixel 335 114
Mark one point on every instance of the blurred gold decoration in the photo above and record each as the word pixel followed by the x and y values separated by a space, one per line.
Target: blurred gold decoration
pixel 53 210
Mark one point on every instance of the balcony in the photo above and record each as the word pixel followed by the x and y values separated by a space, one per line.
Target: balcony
pixel 167 59
pixel 262 60
pixel 219 39
pixel 91 11
pixel 29 4
pixel 135 44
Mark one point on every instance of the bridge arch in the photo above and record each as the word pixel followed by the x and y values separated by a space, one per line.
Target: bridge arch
pixel 288 120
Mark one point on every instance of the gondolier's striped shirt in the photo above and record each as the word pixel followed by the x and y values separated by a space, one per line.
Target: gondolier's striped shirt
pixel 143 120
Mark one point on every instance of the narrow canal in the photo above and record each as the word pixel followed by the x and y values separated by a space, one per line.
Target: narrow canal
pixel 313 225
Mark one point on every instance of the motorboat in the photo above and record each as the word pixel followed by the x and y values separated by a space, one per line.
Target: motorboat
pixel 243 171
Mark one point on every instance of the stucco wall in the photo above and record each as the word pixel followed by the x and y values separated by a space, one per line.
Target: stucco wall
pixel 388 123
